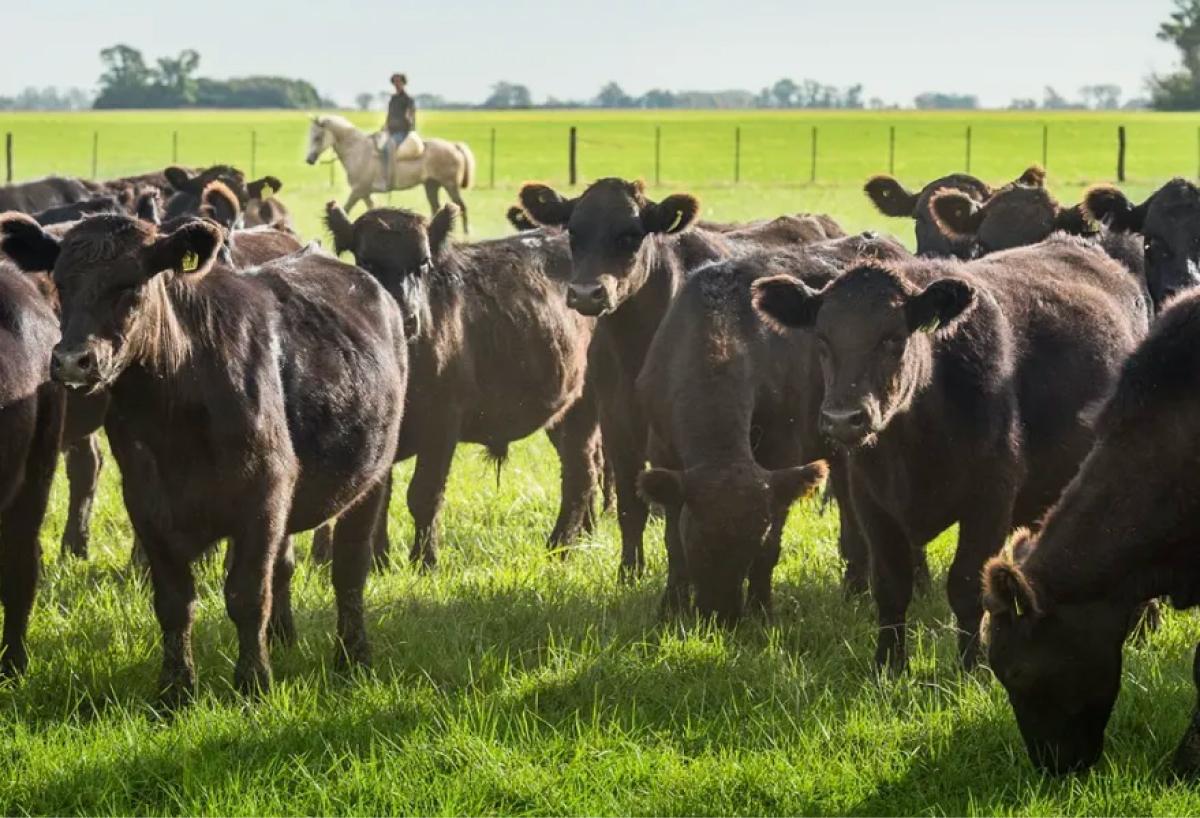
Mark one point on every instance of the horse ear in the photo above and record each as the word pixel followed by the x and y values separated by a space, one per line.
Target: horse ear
pixel 440 229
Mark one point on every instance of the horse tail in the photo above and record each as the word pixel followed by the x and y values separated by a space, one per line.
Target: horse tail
pixel 468 174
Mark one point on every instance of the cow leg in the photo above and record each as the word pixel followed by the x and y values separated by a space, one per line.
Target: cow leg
pixel 84 459
pixel 174 607
pixel 382 544
pixel 1186 762
pixel 456 197
pixel 322 543
pixel 762 569
pixel 851 544
pixel 248 597
pixel 20 522
pixel 427 490
pixel 575 439
pixel 891 580
pixel 431 194
pixel 677 598
pixel 282 627
pixel 628 454
pixel 351 563
pixel 981 536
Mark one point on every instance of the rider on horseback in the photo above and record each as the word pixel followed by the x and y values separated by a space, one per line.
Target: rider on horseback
pixel 401 121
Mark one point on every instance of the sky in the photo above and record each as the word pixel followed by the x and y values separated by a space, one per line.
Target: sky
pixel 998 49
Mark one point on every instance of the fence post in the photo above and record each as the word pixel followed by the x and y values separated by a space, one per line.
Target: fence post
pixel 492 161
pixel 813 167
pixel 892 151
pixel 571 167
pixel 253 153
pixel 8 156
pixel 174 147
pixel 331 180
pixel 95 151
pixel 657 155
pixel 1045 147
pixel 1121 154
pixel 968 149
pixel 737 154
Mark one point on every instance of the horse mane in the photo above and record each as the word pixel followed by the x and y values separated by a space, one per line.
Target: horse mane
pixel 337 121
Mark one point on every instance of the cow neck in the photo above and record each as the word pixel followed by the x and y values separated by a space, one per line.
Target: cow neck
pixel 633 324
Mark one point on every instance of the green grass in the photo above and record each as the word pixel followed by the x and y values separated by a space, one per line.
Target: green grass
pixel 507 682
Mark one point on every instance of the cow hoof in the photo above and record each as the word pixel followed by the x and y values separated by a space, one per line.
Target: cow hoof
pixel 350 654
pixel 282 631
pixel 176 690
pixel 13 663
pixel 252 680
pixel 1186 763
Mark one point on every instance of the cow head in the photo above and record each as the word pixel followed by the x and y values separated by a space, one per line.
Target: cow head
pixel 874 333
pixel 1169 222
pixel 189 188
pixel 726 516
pixel 399 249
pixel 110 272
pixel 1060 665
pixel 264 188
pixel 611 226
pixel 893 199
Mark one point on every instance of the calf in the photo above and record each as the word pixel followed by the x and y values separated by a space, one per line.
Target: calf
pixel 893 199
pixel 1061 604
pixel 630 256
pixel 1166 224
pixel 957 390
pixel 31 417
pixel 496 354
pixel 242 406
pixel 733 408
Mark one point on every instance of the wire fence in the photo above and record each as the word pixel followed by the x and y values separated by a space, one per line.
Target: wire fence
pixel 693 151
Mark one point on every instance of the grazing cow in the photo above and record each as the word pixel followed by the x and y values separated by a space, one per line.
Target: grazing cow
pixel 893 199
pixel 30 197
pixel 733 410
pixel 242 406
pixel 496 354
pixel 1124 532
pixel 957 389
pixel 1166 223
pixel 630 256
pixel 31 417
pixel 263 207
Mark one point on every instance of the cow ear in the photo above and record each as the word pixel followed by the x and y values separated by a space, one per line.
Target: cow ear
pixel 190 250
pixel 1074 220
pixel 940 307
pixel 339 227
pixel 1109 206
pixel 891 198
pixel 673 214
pixel 1034 176
pixel 440 229
pixel 545 205
pixel 177 177
pixel 519 219
pixel 956 215
pixel 27 243
pixel 661 486
pixel 1006 590
pixel 786 302
pixel 790 485
pixel 220 204
pixel 147 207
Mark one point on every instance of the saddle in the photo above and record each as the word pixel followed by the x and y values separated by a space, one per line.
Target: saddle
pixel 411 148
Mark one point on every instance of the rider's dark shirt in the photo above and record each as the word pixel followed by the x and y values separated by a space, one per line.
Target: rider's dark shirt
pixel 402 114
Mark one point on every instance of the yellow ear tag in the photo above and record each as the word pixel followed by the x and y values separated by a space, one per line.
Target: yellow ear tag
pixel 1017 607
pixel 675 223
pixel 191 262
pixel 930 326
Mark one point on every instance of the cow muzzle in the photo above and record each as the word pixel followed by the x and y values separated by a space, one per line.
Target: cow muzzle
pixel 74 368
pixel 590 299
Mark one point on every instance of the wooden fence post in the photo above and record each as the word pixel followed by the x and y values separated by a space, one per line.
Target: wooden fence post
pixel 492 161
pixel 174 147
pixel 737 154
pixel 1045 147
pixel 95 151
pixel 1121 154
pixel 571 165
pixel 968 149
pixel 253 153
pixel 8 156
pixel 892 151
pixel 813 167
pixel 657 155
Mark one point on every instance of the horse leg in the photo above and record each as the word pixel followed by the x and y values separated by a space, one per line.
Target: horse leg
pixel 456 196
pixel 431 193
pixel 354 199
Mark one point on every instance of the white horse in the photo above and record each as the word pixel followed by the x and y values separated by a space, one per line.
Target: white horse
pixel 450 165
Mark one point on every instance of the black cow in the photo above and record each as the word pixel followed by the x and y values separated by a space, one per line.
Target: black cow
pixel 39 194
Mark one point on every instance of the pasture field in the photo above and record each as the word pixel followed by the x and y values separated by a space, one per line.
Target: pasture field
pixel 507 682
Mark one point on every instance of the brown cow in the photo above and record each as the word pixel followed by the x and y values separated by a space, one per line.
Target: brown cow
pixel 243 406
pixel 925 361
pixel 496 354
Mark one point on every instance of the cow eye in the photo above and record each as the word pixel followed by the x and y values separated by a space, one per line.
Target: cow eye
pixel 630 240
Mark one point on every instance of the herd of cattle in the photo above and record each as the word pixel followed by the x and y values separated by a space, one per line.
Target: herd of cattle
pixel 1032 367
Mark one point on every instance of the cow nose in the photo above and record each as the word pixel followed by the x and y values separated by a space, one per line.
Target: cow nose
pixel 72 367
pixel 844 424
pixel 590 299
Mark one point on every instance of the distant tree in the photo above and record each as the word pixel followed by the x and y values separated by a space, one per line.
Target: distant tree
pixel 1101 97
pixel 656 98
pixel 1054 101
pixel 612 96
pixel 175 76
pixel 784 92
pixel 47 99
pixel 125 80
pixel 1180 90
pixel 429 101
pixel 942 101
pixel 1023 104
pixel 509 95
pixel 363 101
pixel 852 98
